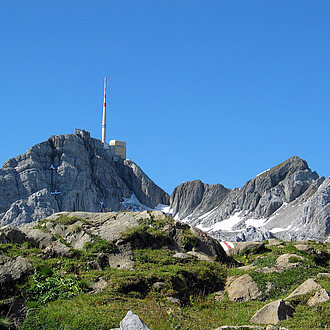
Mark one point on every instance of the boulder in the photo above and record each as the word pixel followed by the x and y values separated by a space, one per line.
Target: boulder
pixel 13 269
pixel 98 286
pixel 308 286
pixel 274 242
pixel 9 234
pixel 266 270
pixel 323 275
pixel 273 313
pixel 132 322
pixel 180 255
pixel 305 248
pixel 319 297
pixel 200 256
pixel 283 261
pixel 208 245
pixel 243 288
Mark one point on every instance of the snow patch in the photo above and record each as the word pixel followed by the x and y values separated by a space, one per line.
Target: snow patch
pixel 164 208
pixel 133 204
pixel 278 229
pixel 255 222
pixel 226 224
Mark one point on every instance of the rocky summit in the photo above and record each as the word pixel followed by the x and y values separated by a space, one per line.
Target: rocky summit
pixel 288 201
pixel 72 172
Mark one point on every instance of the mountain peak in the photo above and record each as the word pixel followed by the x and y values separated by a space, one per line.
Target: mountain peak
pixel 72 172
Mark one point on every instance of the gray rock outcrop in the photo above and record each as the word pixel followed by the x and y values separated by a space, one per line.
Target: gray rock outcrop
pixel 12 269
pixel 288 201
pixel 132 322
pixel 71 172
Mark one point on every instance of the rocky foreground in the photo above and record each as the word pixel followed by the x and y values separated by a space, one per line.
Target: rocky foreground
pixel 89 270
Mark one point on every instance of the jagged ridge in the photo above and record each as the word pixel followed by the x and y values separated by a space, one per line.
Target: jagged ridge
pixel 287 201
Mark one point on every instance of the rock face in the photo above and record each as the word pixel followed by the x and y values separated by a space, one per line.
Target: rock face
pixel 71 172
pixel 288 201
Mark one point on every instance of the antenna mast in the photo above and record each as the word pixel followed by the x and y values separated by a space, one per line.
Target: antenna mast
pixel 104 118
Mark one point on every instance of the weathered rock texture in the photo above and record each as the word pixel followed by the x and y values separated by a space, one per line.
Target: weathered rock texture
pixel 71 172
pixel 132 321
pixel 308 286
pixel 243 288
pixel 288 201
pixel 272 313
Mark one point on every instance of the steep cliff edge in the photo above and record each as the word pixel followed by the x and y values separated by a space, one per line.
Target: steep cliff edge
pixel 287 201
pixel 71 172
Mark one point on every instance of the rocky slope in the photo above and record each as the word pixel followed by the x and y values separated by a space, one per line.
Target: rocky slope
pixel 287 201
pixel 84 270
pixel 71 172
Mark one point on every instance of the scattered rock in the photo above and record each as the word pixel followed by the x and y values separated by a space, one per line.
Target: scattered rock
pixel 283 261
pixel 98 286
pixel 266 270
pixel 181 255
pixel 308 286
pixel 247 247
pixel 323 275
pixel 248 267
pixel 319 297
pixel 243 288
pixel 272 313
pixel 132 322
pixel 158 285
pixel 57 248
pixel 305 248
pixel 200 256
pixel 274 242
pixel 273 327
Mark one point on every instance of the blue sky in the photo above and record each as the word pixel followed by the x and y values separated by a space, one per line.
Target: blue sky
pixel 199 89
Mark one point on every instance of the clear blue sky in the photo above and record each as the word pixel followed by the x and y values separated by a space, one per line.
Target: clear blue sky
pixel 199 89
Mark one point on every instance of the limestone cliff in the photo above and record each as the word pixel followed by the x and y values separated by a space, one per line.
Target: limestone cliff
pixel 71 172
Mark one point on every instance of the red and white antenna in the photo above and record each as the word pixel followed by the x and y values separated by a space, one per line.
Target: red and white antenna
pixel 104 118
